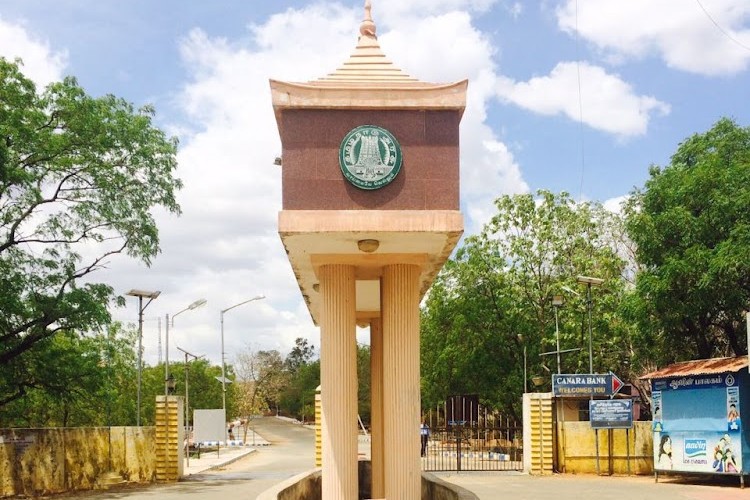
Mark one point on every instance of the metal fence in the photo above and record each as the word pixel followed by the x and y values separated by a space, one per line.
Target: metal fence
pixel 464 436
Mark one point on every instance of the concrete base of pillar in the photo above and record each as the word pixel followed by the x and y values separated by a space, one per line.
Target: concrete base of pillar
pixel 308 486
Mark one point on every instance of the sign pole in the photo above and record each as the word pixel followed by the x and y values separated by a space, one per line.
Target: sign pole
pixel 596 433
pixel 627 447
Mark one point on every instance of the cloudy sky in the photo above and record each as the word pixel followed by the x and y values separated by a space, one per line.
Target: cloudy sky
pixel 577 96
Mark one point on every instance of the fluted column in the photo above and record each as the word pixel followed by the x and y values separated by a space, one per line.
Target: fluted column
pixel 401 397
pixel 376 405
pixel 338 379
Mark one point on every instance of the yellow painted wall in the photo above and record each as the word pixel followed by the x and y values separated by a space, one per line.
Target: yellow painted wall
pixel 577 449
pixel 538 433
pixel 44 461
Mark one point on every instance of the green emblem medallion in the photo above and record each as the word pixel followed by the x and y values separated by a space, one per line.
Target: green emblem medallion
pixel 370 157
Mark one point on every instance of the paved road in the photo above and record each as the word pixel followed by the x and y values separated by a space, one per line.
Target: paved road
pixel 292 449
pixel 291 452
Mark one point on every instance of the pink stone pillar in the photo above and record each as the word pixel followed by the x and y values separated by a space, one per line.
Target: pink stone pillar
pixel 338 379
pixel 401 396
pixel 376 405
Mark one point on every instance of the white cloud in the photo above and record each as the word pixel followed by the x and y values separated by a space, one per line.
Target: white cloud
pixel 678 31
pixel 40 63
pixel 226 242
pixel 616 204
pixel 225 246
pixel 609 103
pixel 394 11
pixel 488 169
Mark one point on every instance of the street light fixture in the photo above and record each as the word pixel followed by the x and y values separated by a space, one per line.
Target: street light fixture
pixel 557 301
pixel 223 374
pixel 141 294
pixel 187 400
pixel 589 282
pixel 525 384
pixel 194 305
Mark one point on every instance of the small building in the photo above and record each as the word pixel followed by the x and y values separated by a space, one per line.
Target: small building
pixel 696 408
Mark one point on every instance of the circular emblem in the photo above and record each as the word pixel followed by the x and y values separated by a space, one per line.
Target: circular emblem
pixel 370 157
pixel 729 380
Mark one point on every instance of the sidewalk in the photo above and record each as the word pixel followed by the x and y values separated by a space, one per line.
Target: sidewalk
pixel 216 458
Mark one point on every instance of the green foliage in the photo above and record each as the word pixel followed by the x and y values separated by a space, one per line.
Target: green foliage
pixel 200 377
pixel 76 172
pixel 83 381
pixel 494 298
pixel 691 224
pixel 260 377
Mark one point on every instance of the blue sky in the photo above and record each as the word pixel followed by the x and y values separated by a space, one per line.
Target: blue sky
pixel 649 73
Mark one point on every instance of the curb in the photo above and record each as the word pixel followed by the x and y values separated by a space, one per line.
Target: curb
pixel 227 462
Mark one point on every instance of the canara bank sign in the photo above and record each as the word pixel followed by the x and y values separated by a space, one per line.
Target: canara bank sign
pixel 592 384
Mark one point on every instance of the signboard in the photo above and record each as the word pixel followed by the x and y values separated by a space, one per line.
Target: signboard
pixel 209 425
pixel 697 425
pixel 586 384
pixel 611 413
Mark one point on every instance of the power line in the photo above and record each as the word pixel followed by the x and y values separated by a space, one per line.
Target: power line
pixel 723 31
pixel 580 108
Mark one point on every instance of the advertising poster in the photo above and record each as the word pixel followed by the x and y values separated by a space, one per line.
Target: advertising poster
pixel 697 424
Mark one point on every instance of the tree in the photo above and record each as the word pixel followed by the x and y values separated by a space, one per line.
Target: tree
pixel 691 224
pixel 89 380
pixel 300 355
pixel 297 396
pixel 494 298
pixel 260 376
pixel 78 176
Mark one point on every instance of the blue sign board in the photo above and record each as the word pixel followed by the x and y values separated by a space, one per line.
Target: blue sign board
pixel 611 413
pixel 586 384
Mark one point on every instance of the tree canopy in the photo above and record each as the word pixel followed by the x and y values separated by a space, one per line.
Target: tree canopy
pixel 494 299
pixel 79 179
pixel 691 224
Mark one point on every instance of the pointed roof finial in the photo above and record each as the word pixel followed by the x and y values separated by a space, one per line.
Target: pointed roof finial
pixel 367 28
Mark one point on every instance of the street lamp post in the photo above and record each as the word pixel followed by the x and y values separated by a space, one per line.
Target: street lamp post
pixel 525 384
pixel 150 296
pixel 194 305
pixel 557 301
pixel 223 374
pixel 589 282
pixel 187 403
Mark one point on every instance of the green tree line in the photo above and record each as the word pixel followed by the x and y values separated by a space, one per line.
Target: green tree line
pixel 674 270
pixel 81 176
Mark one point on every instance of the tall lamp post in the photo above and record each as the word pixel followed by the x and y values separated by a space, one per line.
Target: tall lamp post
pixel 194 305
pixel 141 294
pixel 187 402
pixel 557 301
pixel 589 282
pixel 525 383
pixel 223 374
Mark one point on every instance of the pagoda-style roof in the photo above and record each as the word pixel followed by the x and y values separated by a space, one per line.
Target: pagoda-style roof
pixel 368 80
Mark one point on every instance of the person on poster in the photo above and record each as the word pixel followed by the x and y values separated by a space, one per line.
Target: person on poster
pixel 718 464
pixel 733 417
pixel 730 465
pixel 664 460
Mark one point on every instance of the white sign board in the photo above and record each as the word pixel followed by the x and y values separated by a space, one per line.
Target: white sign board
pixel 209 425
